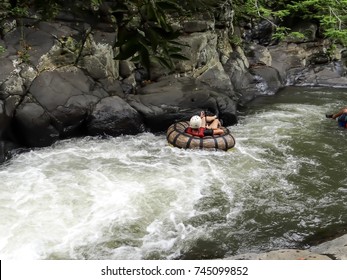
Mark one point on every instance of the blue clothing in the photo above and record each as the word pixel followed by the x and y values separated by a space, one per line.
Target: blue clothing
pixel 342 120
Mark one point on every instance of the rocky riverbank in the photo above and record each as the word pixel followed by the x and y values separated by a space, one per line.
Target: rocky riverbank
pixel 59 79
pixel 335 249
pixel 328 244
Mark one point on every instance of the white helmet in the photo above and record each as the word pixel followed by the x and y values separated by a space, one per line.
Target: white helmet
pixel 195 122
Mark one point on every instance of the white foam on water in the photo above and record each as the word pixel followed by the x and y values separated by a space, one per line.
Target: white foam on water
pixel 74 193
pixel 135 197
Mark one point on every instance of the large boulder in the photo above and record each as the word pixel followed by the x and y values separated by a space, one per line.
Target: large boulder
pixel 56 106
pixel 29 42
pixel 296 62
pixel 7 66
pixel 251 81
pixel 66 103
pixel 217 78
pixel 97 60
pixel 7 109
pixel 4 120
pixel 269 79
pixel 113 116
pixel 6 150
pixel 33 125
pixel 328 75
pixel 67 94
pixel 175 99
pixel 200 49
pixel 337 248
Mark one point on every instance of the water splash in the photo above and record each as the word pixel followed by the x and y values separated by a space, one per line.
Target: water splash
pixel 135 197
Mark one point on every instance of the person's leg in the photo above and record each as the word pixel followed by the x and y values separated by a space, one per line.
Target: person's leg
pixel 214 124
pixel 218 131
pixel 342 111
pixel 339 113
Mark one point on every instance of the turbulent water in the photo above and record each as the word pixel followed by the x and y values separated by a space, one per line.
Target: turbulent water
pixel 135 197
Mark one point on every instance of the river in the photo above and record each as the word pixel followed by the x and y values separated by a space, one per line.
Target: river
pixel 135 197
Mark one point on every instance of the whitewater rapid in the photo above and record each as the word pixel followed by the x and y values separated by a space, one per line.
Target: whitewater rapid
pixel 135 197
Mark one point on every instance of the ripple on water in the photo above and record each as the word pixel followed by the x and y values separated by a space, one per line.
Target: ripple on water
pixel 135 197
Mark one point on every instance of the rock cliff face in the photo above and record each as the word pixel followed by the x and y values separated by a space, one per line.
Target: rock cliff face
pixel 60 80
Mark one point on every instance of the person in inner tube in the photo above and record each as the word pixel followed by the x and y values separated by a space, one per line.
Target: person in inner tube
pixel 204 126
pixel 340 116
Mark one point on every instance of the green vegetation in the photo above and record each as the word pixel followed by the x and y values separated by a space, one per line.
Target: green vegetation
pixel 2 49
pixel 329 15
pixel 144 28
pixel 145 33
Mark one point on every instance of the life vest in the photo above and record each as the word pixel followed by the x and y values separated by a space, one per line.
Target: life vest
pixel 200 132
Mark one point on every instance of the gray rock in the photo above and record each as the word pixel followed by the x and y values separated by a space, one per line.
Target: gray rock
pixel 171 100
pixel 7 108
pixel 287 254
pixel 6 150
pixel 200 50
pixel 33 125
pixel 269 77
pixel 65 88
pixel 54 88
pixel 7 66
pixel 12 86
pixel 218 79
pixel 3 118
pixel 126 68
pixel 328 75
pixel 113 116
pixel 29 44
pixel 197 26
pixel 308 31
pixel 336 248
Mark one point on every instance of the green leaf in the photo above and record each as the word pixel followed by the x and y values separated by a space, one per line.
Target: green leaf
pixel 178 56
pixel 154 38
pixel 169 5
pixel 167 35
pixel 127 50
pixel 144 58
pixel 144 43
pixel 297 35
pixel 281 13
pixel 123 36
pixel 164 62
pixel 174 49
pixel 118 6
pixel 150 12
pixel 179 43
pixel 135 59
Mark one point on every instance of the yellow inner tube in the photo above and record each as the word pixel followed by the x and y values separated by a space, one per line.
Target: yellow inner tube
pixel 176 136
